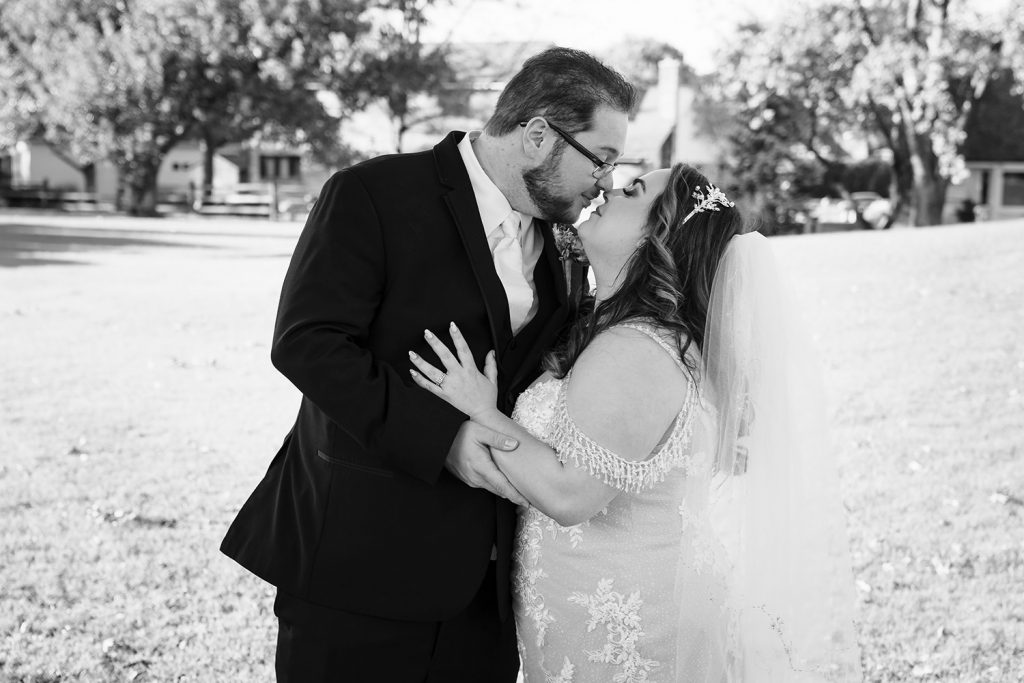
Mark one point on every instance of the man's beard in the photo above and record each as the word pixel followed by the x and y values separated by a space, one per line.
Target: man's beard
pixel 543 187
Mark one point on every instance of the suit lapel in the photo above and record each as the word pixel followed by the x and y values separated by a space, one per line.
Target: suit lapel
pixel 466 215
pixel 461 203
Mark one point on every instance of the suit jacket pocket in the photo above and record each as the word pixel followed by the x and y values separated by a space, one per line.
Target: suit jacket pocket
pixel 367 469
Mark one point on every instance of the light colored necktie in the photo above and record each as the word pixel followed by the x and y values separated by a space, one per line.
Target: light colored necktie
pixel 508 262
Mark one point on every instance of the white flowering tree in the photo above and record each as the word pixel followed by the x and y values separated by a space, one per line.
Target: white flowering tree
pixel 128 80
pixel 898 75
pixel 108 80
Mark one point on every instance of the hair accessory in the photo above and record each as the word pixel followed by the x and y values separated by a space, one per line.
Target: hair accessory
pixel 713 201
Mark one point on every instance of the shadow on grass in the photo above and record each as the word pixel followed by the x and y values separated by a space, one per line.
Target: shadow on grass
pixel 37 245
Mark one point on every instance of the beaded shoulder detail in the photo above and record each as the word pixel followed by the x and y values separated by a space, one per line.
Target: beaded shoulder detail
pixel 572 445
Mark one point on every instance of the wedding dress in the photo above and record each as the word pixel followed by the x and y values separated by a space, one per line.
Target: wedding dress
pixel 595 601
pixel 724 557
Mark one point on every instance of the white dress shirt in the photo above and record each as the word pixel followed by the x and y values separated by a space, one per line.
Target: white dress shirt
pixel 494 208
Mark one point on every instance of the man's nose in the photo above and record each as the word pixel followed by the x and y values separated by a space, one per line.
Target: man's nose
pixel 606 183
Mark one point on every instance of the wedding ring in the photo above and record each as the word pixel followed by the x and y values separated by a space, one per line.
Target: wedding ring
pixel 440 382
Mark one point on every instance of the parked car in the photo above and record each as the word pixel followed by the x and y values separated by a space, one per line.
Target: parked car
pixel 829 213
pixel 875 208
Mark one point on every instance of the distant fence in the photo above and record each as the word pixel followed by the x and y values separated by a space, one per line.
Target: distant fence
pixel 257 199
pixel 246 199
pixel 41 197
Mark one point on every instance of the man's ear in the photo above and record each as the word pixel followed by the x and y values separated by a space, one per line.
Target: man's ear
pixel 537 139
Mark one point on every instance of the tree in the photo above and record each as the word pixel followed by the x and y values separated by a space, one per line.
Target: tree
pixel 394 66
pixel 25 105
pixel 894 75
pixel 262 73
pixel 785 131
pixel 127 80
pixel 18 119
pixel 111 79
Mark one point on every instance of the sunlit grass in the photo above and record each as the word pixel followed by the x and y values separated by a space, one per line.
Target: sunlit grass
pixel 921 334
pixel 138 408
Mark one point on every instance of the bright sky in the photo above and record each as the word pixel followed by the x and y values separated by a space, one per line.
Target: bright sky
pixel 695 27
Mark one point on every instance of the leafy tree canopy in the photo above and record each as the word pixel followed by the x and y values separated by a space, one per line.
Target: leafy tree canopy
pixel 895 78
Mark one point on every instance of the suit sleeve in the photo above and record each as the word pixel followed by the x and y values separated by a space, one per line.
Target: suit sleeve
pixel 331 294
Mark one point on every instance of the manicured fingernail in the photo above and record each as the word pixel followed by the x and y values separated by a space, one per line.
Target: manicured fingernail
pixel 511 443
pixel 452 325
pixel 412 355
pixel 428 333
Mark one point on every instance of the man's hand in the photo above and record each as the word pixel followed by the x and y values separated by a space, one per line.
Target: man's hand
pixel 469 459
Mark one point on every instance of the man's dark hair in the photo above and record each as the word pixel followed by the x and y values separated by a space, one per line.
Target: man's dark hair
pixel 563 84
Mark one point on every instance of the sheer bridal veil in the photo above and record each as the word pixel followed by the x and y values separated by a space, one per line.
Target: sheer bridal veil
pixel 782 586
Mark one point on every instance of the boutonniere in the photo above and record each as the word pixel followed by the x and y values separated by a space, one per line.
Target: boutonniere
pixel 567 241
pixel 574 262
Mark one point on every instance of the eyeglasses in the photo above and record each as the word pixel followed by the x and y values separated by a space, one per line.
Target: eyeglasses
pixel 603 167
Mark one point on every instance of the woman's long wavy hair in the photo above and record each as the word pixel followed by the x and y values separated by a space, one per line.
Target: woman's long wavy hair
pixel 667 279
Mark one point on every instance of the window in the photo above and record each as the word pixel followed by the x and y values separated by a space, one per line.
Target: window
pixel 279 167
pixel 1013 189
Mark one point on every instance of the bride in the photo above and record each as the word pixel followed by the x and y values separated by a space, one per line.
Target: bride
pixel 683 521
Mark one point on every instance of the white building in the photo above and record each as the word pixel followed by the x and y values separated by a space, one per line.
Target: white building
pixel 237 168
pixel 37 164
pixel 666 130
pixel 995 188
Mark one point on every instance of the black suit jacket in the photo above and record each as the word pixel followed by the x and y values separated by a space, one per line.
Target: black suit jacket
pixel 356 510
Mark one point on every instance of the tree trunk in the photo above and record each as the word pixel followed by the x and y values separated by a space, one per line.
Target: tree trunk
pixel 896 202
pixel 929 193
pixel 206 186
pixel 119 191
pixel 901 194
pixel 89 177
pixel 400 129
pixel 929 200
pixel 141 186
pixel 901 188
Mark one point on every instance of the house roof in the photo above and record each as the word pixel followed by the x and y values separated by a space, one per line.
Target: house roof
pixel 648 132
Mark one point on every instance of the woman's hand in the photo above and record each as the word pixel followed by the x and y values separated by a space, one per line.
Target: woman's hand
pixel 460 384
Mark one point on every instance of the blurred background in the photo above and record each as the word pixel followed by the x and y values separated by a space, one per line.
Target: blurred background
pixel 823 115
pixel 158 157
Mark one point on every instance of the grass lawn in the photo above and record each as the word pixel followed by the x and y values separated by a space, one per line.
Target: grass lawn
pixel 138 408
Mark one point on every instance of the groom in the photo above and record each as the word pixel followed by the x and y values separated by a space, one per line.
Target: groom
pixel 382 520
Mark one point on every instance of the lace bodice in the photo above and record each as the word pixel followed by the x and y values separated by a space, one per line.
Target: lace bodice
pixel 596 601
pixel 543 410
